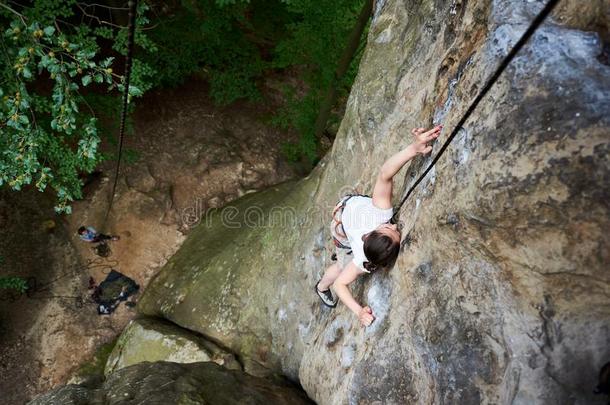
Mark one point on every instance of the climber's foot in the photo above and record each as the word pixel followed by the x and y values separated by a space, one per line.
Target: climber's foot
pixel 326 297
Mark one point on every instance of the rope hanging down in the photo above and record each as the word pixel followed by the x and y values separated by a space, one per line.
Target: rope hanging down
pixel 490 82
pixel 133 4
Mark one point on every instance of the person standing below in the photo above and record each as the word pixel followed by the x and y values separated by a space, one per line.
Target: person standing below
pixel 362 231
pixel 89 234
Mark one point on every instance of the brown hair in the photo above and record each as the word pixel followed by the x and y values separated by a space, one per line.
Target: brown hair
pixel 380 250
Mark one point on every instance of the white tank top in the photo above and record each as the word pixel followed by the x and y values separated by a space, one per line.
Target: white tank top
pixel 360 217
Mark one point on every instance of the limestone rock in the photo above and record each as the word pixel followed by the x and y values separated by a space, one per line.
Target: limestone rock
pixel 507 299
pixel 148 340
pixel 173 383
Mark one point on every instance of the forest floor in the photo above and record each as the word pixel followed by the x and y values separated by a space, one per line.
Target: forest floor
pixel 190 156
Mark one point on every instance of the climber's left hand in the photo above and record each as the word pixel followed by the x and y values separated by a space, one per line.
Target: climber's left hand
pixel 366 316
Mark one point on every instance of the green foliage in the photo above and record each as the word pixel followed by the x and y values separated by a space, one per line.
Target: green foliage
pixel 236 42
pixel 13 283
pixel 108 108
pixel 142 74
pixel 208 35
pixel 300 114
pixel 316 41
pixel 177 50
pixel 48 134
pixel 57 77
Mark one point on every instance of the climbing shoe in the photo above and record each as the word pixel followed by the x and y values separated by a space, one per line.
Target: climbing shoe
pixel 326 297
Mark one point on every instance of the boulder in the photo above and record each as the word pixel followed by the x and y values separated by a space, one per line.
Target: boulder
pixel 149 340
pixel 173 383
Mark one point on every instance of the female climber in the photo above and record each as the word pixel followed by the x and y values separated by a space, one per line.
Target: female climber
pixel 361 230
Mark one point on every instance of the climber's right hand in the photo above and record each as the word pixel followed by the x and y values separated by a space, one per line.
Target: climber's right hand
pixel 366 316
pixel 423 137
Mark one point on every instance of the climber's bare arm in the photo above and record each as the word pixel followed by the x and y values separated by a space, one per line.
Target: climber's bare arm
pixel 382 192
pixel 347 276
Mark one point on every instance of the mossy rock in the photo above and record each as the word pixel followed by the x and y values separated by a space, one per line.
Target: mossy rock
pixel 150 340
pixel 173 383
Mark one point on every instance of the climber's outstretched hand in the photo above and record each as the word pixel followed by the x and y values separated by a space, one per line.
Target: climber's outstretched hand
pixel 423 137
pixel 366 316
pixel 382 192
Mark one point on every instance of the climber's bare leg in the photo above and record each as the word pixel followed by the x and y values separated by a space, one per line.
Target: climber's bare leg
pixel 330 275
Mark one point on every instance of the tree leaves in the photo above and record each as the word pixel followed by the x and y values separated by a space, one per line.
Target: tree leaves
pixel 47 139
pixel 48 31
pixel 13 283
pixel 44 137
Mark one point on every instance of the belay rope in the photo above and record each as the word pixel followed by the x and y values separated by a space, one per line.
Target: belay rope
pixel 133 5
pixel 488 85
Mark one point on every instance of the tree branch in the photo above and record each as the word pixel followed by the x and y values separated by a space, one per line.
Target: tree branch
pixel 21 16
pixel 102 5
pixel 94 17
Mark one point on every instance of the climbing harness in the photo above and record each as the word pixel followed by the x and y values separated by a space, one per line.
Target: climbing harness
pixel 337 230
pixel 133 4
pixel 488 85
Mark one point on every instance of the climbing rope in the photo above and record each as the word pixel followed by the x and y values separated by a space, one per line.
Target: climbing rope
pixel 133 4
pixel 488 85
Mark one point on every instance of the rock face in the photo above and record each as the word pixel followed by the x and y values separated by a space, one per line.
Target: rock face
pixel 149 340
pixel 502 294
pixel 172 383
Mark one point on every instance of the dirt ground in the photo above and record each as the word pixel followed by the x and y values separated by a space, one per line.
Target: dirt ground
pixel 191 156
